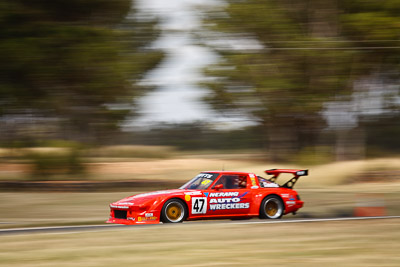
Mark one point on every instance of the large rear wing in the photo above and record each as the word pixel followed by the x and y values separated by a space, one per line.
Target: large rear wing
pixel 292 181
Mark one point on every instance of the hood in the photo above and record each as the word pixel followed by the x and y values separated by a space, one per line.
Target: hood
pixel 142 198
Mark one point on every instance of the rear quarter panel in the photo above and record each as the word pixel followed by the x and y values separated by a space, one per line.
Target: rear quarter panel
pixel 288 196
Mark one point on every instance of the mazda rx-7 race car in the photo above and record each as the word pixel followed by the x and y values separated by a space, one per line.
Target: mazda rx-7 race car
pixel 213 195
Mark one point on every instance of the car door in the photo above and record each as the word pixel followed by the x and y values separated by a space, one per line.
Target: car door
pixel 234 198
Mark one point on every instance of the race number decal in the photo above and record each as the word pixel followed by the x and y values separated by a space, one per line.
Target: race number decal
pixel 199 205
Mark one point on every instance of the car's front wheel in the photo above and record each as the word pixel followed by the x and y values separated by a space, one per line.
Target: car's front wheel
pixel 271 208
pixel 173 211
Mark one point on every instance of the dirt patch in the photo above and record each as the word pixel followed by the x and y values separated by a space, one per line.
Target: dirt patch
pixel 16 168
pixel 377 176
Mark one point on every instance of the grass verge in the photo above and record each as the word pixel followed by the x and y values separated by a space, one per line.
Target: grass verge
pixel 43 209
pixel 350 243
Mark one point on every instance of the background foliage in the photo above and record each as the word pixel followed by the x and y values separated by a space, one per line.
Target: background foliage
pixel 70 67
pixel 308 54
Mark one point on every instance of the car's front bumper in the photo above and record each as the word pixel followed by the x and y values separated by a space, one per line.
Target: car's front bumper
pixel 123 216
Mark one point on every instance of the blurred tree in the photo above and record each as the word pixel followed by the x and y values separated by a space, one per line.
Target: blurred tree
pixel 76 63
pixel 372 29
pixel 306 54
pixel 284 81
pixel 197 136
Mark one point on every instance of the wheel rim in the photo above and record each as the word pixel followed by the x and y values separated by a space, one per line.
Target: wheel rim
pixel 174 212
pixel 272 208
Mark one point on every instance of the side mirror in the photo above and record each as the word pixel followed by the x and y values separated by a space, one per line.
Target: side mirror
pixel 218 187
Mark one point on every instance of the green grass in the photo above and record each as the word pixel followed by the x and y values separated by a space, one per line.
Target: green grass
pixel 351 243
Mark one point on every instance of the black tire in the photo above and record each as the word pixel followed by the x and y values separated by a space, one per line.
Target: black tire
pixel 174 211
pixel 272 208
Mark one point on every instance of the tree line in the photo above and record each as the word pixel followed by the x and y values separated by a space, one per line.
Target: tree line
pixel 309 56
pixel 70 70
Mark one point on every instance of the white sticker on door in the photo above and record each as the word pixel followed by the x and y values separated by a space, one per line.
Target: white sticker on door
pixel 199 205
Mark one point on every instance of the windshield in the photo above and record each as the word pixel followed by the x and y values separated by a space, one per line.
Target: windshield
pixel 201 181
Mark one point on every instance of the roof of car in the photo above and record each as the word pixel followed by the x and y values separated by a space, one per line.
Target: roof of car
pixel 227 172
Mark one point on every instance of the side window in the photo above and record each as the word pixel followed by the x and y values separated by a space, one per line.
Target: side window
pixel 233 181
pixel 261 181
pixel 242 182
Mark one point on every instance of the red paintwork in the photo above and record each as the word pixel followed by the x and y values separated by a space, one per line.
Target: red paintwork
pixel 146 208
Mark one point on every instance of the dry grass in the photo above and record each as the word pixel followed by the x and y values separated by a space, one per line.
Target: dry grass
pixel 131 151
pixel 181 169
pixel 37 209
pixel 184 168
pixel 163 163
pixel 335 173
pixel 351 243
pixel 326 190
pixel 344 172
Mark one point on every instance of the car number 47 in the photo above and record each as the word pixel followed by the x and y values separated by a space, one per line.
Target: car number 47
pixel 199 205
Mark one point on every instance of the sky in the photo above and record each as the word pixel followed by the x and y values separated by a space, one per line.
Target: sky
pixel 177 97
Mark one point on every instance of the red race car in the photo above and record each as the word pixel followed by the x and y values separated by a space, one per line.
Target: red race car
pixel 213 195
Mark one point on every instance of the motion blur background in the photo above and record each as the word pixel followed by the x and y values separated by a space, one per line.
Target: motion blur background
pixel 136 90
pixel 103 99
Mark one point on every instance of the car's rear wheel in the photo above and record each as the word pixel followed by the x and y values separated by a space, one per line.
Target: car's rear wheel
pixel 173 211
pixel 271 208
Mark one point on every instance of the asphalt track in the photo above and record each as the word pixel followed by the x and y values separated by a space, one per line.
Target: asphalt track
pixel 104 227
